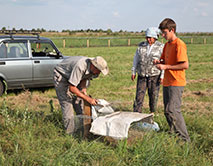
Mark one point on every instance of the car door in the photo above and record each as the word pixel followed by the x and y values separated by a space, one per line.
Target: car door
pixel 45 58
pixel 15 64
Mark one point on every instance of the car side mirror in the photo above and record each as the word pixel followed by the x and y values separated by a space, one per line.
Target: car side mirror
pixel 59 54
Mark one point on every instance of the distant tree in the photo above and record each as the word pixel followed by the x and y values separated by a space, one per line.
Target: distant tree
pixel 67 30
pixel 3 28
pixel 100 30
pixel 109 31
pixel 52 31
pixel 88 30
pixel 43 30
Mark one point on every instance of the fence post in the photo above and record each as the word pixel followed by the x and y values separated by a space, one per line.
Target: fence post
pixel 204 41
pixel 87 43
pixel 191 40
pixel 64 43
pixel 38 45
pixel 129 42
pixel 109 43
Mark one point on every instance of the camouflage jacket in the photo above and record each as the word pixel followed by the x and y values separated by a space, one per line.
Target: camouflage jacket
pixel 143 59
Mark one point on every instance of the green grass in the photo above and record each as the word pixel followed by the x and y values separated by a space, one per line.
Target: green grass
pixel 119 41
pixel 32 133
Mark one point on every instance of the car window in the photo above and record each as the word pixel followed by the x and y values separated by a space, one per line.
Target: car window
pixel 3 50
pixel 13 50
pixel 42 49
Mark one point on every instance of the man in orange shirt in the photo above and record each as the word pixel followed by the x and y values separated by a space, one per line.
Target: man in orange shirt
pixel 174 61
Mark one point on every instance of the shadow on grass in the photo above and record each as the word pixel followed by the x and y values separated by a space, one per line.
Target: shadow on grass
pixel 55 117
pixel 18 91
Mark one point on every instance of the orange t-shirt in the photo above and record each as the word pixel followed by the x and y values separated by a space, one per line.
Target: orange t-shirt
pixel 173 53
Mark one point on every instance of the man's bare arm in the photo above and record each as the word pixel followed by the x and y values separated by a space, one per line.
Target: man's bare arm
pixel 78 93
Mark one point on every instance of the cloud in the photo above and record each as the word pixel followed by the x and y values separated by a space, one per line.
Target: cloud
pixel 204 14
pixel 195 9
pixel 202 4
pixel 26 2
pixel 119 14
pixel 116 14
pixel 201 9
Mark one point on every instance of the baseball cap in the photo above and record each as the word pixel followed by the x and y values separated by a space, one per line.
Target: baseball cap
pixel 153 32
pixel 100 64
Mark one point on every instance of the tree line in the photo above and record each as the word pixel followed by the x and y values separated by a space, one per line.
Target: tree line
pixel 71 31
pixel 108 32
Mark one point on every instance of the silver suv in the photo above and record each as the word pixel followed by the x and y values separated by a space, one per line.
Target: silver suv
pixel 26 61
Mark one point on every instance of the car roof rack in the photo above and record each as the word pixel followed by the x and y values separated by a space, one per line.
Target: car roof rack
pixel 13 32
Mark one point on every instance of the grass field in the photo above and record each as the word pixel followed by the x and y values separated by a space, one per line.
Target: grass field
pixel 32 133
pixel 71 42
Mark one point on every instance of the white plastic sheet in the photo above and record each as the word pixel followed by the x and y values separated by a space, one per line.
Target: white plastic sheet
pixel 103 108
pixel 117 124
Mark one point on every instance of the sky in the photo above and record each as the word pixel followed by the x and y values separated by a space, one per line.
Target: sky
pixel 126 15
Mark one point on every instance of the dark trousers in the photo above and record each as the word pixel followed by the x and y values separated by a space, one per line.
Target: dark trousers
pixel 153 86
pixel 172 110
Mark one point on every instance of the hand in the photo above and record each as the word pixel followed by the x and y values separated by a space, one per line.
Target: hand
pixel 156 61
pixel 133 77
pixel 161 80
pixel 161 66
pixel 93 101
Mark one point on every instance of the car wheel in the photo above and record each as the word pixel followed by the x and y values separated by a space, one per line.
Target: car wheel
pixel 2 88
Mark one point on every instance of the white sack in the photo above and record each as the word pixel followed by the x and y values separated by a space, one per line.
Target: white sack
pixel 117 124
pixel 102 108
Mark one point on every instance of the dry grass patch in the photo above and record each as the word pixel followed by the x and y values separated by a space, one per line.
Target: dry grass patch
pixel 30 100
pixel 206 80
pixel 203 107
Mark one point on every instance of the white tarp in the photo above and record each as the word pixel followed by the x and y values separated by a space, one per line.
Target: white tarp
pixel 117 124
pixel 101 109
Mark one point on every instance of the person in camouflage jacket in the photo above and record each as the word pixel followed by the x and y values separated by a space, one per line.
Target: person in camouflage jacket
pixel 149 77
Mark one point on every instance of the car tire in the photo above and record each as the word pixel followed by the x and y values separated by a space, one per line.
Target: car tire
pixel 2 88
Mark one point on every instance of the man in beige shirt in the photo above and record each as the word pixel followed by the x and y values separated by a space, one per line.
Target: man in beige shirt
pixel 71 79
